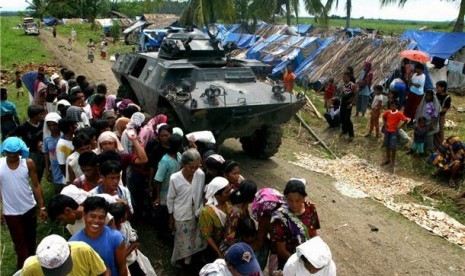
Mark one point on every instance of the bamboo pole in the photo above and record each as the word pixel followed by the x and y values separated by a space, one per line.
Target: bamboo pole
pixel 315 135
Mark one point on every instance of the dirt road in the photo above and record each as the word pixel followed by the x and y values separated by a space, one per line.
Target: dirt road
pixel 399 247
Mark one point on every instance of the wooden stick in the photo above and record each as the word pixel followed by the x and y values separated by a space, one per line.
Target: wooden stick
pixel 316 136
pixel 314 108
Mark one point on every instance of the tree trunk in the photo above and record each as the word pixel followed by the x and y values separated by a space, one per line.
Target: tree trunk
pixel 288 12
pixel 348 12
pixel 459 23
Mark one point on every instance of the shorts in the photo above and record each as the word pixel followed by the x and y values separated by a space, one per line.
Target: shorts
pixel 390 140
pixel 418 147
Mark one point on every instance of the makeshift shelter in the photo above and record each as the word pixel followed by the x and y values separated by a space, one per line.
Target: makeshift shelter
pixel 441 45
pixel 50 21
pixel 155 21
pixel 334 56
pixel 267 30
pixel 302 29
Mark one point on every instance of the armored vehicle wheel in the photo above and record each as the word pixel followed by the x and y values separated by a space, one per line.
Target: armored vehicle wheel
pixel 125 91
pixel 264 143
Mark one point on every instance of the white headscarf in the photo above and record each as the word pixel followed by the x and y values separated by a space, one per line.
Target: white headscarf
pixel 136 120
pixel 317 252
pixel 109 136
pixel 211 189
pixel 50 117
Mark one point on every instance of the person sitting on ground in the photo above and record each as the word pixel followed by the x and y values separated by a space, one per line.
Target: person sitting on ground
pixel 295 222
pixel 419 137
pixel 313 257
pixel 138 263
pixel 449 158
pixel 55 256
pixel 8 114
pixel 376 106
pixel 238 260
pixel 107 242
pixel 332 116
pixel 67 208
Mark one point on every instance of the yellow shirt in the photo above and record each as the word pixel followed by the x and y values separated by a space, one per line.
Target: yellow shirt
pixel 85 262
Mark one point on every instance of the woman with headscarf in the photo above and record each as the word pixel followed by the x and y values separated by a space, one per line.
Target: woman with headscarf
pixel 295 222
pixel 62 107
pixel 364 85
pixel 51 135
pixel 77 114
pixel 110 102
pixel 312 258
pixel 137 119
pixel 148 131
pixel 120 126
pixel 213 216
pixel 429 108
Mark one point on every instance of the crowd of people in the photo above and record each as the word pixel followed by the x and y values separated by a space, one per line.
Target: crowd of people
pixel 408 104
pixel 111 165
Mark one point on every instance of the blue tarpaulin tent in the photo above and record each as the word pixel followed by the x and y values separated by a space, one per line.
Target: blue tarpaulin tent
pixel 302 29
pixel 243 41
pixel 437 44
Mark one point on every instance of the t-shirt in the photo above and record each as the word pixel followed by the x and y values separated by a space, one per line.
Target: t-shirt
pixel 85 262
pixel 30 134
pixel 376 100
pixel 50 146
pixel 418 80
pixel 72 162
pixel 392 119
pixel 444 100
pixel 166 167
pixel 64 149
pixel 105 245
pixel 329 91
pixel 80 224
pixel 288 81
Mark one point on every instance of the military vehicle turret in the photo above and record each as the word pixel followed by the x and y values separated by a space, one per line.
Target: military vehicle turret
pixel 191 80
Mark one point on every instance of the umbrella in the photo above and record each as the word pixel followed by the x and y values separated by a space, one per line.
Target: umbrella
pixel 415 55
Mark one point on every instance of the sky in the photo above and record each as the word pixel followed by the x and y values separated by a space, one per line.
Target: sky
pixel 418 10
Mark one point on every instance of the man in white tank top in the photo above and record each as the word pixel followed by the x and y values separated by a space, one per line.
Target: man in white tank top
pixel 19 200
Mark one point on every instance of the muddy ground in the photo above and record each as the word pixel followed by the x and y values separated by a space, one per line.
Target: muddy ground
pixel 399 247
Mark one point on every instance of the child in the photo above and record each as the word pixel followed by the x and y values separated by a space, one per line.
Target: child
pixel 376 111
pixel 49 148
pixel 393 121
pixel 90 50
pixel 19 84
pixel 332 116
pixel 419 137
pixel 329 93
pixel 8 114
pixel 103 50
pixel 137 263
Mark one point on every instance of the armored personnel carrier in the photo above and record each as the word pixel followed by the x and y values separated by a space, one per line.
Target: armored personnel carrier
pixel 191 80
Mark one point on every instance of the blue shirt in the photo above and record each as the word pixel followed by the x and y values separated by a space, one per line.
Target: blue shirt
pixel 105 245
pixel 50 146
pixel 166 167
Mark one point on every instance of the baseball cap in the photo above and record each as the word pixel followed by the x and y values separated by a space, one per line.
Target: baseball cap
pixel 242 258
pixel 54 256
pixel 54 77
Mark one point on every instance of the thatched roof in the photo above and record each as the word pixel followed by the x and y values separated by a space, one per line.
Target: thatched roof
pixel 159 21
pixel 268 29
pixel 334 59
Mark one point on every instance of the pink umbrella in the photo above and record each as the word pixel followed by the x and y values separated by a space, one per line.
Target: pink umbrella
pixel 415 55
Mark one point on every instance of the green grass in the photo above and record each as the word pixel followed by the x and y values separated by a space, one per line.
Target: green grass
pixel 386 26
pixel 16 47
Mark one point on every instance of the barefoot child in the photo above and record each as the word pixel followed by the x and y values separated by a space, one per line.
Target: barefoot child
pixel 393 121
pixel 419 137
pixel 90 50
pixel 376 111
pixel 330 88
pixel 19 84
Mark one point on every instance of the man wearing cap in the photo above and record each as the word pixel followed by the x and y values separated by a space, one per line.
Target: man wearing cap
pixel 55 256
pixel 239 260
pixel 18 199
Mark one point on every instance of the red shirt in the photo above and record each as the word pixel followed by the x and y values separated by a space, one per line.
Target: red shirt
pixel 329 91
pixel 392 119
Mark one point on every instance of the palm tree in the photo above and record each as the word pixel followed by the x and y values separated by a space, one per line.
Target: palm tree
pixel 330 4
pixel 204 12
pixel 458 23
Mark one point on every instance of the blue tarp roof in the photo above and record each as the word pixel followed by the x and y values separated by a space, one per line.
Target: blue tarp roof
pixel 299 71
pixel 302 28
pixel 436 44
pixel 243 41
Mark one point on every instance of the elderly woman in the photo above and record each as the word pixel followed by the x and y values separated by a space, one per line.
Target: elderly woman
pixel 450 157
pixel 295 222
pixel 184 202
pixel 213 216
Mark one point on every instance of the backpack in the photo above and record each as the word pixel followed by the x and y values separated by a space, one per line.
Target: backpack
pixel 51 93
